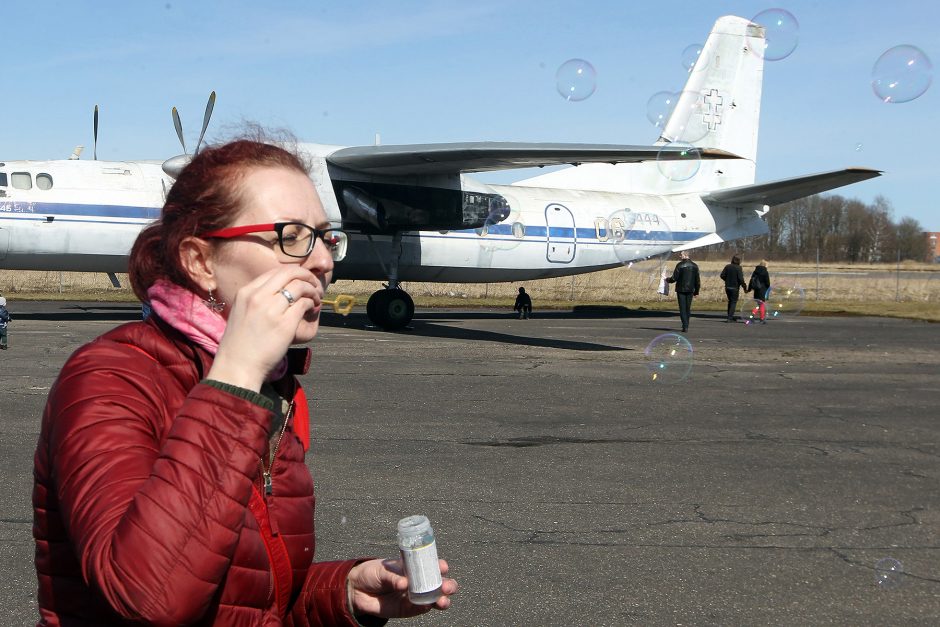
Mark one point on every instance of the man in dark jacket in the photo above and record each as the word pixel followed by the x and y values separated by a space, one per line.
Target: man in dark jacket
pixel 687 281
pixel 733 276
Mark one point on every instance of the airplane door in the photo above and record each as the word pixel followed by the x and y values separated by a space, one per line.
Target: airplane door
pixel 4 242
pixel 560 234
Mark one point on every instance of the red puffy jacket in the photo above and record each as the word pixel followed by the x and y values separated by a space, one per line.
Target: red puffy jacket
pixel 148 502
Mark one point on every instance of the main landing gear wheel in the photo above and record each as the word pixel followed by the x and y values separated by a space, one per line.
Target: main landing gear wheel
pixel 392 309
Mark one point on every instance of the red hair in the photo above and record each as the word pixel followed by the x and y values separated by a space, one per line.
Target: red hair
pixel 205 197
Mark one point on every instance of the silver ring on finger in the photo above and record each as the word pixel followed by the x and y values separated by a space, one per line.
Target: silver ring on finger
pixel 288 296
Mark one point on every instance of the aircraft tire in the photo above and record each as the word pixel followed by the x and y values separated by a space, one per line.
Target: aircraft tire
pixel 391 309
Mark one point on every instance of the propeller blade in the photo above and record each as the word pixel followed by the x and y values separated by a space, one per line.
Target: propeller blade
pixel 205 120
pixel 179 128
pixel 96 134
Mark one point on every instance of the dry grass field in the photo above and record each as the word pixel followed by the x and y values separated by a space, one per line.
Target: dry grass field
pixel 876 289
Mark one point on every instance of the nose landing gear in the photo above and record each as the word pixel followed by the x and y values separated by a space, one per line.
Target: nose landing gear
pixel 390 308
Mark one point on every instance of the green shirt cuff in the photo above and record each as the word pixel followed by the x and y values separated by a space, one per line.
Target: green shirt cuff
pixel 249 395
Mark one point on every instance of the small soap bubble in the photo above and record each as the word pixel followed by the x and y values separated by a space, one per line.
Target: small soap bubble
pixel 342 520
pixel 781 34
pixel 576 80
pixel 679 161
pixel 785 298
pixel 669 358
pixel 750 313
pixel 888 573
pixel 692 59
pixel 659 107
pixel 901 74
pixel 859 147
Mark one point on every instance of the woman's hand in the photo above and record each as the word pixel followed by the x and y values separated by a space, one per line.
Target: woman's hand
pixel 379 587
pixel 262 324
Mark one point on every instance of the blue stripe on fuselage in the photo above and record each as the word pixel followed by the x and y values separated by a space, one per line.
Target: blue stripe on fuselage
pixel 586 234
pixel 42 209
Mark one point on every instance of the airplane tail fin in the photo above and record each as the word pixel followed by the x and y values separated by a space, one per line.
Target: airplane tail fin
pixel 720 104
pixel 718 108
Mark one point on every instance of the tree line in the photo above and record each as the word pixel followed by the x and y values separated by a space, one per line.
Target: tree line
pixel 839 229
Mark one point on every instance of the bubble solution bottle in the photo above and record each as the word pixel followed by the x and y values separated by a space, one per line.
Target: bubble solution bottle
pixel 419 554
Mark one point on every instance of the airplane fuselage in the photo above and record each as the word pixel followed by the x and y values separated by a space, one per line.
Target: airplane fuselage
pixel 548 232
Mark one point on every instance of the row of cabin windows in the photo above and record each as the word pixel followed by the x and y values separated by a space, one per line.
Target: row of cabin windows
pixel 24 180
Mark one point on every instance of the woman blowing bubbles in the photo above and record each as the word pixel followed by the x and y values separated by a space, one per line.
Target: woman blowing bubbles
pixel 170 483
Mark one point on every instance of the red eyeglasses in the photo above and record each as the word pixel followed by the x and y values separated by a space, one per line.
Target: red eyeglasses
pixel 296 239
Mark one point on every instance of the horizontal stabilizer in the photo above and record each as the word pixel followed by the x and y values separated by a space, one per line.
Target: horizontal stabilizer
pixel 452 158
pixel 785 190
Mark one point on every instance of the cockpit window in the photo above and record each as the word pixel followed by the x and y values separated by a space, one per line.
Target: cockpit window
pixel 43 181
pixel 3 179
pixel 22 180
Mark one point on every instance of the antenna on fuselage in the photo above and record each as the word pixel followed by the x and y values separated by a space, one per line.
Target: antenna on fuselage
pixel 95 154
pixel 174 165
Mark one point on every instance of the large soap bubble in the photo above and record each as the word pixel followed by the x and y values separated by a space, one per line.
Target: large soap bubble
pixel 781 34
pixel 901 74
pixel 669 358
pixel 642 242
pixel 576 80
pixel 692 58
pixel 659 107
pixel 683 168
pixel 503 228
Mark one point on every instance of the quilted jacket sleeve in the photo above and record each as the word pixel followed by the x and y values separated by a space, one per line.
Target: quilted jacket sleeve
pixel 154 522
pixel 323 600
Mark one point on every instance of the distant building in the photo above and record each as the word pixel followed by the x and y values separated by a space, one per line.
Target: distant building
pixel 933 247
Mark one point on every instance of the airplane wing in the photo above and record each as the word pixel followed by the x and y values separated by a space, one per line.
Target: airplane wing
pixel 451 158
pixel 785 190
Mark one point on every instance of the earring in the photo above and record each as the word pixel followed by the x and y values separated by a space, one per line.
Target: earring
pixel 213 304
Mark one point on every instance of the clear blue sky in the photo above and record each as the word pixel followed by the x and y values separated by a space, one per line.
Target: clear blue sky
pixel 443 71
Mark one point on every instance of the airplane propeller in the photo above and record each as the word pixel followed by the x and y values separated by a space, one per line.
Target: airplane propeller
pixel 174 165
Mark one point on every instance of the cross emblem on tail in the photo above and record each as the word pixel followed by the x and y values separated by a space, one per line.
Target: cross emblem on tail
pixel 711 112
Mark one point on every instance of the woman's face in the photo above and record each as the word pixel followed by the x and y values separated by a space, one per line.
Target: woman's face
pixel 273 194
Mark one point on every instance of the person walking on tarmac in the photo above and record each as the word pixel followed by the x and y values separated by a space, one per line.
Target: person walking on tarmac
pixel 687 280
pixel 4 321
pixel 523 304
pixel 760 285
pixel 733 276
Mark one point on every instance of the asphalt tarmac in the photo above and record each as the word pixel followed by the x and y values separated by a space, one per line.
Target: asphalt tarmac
pixel 568 488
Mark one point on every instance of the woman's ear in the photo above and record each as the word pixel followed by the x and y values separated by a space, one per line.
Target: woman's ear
pixel 196 259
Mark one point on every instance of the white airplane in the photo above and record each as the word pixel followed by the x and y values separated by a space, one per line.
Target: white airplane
pixel 413 213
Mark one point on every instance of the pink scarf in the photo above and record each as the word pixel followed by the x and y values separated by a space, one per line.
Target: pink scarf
pixel 189 314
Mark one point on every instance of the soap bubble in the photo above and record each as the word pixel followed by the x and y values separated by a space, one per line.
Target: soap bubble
pixel 888 573
pixel 785 298
pixel 781 34
pixel 659 107
pixel 692 59
pixel 859 147
pixel 695 115
pixel 682 169
pixel 750 311
pixel 576 80
pixel 615 232
pixel 642 242
pixel 901 74
pixel 669 358
pixel 503 228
